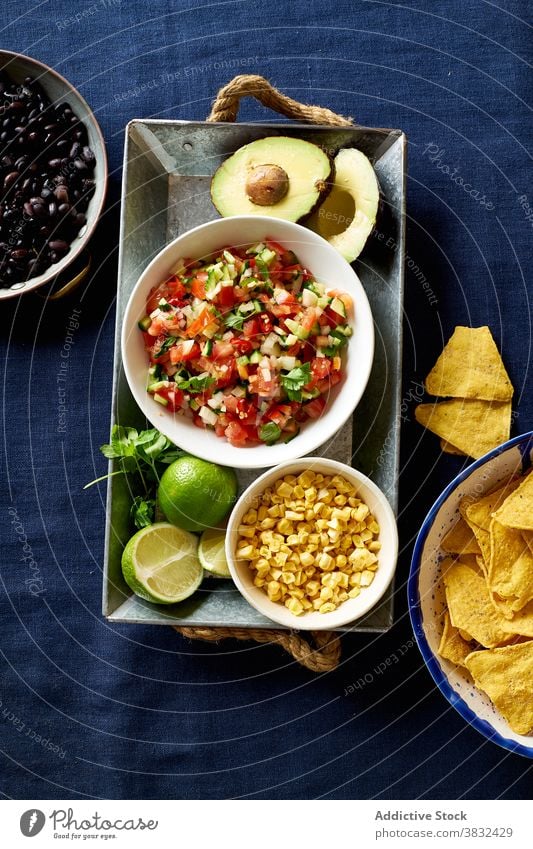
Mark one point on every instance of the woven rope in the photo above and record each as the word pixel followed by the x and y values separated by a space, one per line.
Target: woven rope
pixel 325 654
pixel 323 657
pixel 226 104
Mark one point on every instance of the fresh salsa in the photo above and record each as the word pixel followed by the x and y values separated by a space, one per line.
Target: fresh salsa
pixel 247 343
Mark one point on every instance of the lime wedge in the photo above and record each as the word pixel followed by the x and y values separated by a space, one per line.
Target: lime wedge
pixel 160 564
pixel 211 553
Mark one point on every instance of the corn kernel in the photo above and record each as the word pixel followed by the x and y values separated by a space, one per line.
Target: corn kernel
pixel 366 578
pixel 326 593
pixel 306 558
pixel 325 561
pixel 284 489
pixel 295 606
pixel 354 593
pixel 327 607
pixel 246 552
pixel 306 478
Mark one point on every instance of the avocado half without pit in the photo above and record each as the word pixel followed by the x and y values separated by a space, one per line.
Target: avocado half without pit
pixel 347 216
pixel 278 176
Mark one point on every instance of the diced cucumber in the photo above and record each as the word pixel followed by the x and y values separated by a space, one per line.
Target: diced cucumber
pixel 229 257
pixel 194 404
pixel 155 387
pixel 207 350
pixel 338 306
pixel 243 361
pixel 255 357
pixel 144 323
pixel 323 302
pixel 161 400
pixel 293 326
pixel 308 394
pixel 267 256
pixel 154 375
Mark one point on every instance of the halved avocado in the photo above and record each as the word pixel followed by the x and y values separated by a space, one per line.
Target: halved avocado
pixel 276 176
pixel 348 214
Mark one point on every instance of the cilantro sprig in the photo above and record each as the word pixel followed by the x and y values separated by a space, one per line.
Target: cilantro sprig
pixel 295 380
pixel 142 455
pixel 195 383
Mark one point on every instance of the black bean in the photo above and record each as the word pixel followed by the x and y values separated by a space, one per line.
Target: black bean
pixel 52 209
pixel 10 178
pixel 63 208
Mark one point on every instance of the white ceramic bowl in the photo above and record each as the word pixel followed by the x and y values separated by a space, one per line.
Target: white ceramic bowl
pixel 59 90
pixel 328 267
pixel 426 595
pixel 348 611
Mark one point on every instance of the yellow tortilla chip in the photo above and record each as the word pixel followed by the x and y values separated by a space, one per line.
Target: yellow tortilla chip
pixel 472 426
pixel 528 539
pixel 510 570
pixel 517 510
pixel 478 514
pixel 470 366
pixel 448 448
pixel 470 607
pixel 506 676
pixel 521 624
pixel 460 540
pixel 452 646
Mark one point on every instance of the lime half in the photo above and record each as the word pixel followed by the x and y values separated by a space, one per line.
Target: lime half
pixel 160 564
pixel 211 553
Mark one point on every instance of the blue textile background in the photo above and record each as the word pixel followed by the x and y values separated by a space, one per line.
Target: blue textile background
pixel 90 709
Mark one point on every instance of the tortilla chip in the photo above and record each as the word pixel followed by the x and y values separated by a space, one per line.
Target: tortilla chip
pixel 478 514
pixel 521 624
pixel 470 366
pixel 460 540
pixel 528 539
pixel 473 426
pixel 452 646
pixel 517 510
pixel 510 570
pixel 470 607
pixel 505 675
pixel 448 448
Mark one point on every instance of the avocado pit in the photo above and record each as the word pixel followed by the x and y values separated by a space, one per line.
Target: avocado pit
pixel 267 185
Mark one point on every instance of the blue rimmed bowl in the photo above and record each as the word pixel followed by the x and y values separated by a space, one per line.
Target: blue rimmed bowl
pixel 426 594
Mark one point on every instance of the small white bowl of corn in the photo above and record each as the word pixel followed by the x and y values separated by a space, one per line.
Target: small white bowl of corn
pixel 312 544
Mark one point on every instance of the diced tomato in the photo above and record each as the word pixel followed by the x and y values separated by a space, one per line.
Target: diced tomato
pixel 315 408
pixel 204 321
pixel 242 346
pixel 334 318
pixel 309 319
pixel 182 352
pixel 198 421
pixel 236 434
pixel 226 298
pixel 320 368
pixel 176 289
pixel 198 285
pixel 264 387
pixel 251 327
pixel 222 350
pixel 280 414
pixel 244 411
pixel 148 340
pixel 173 396
pixel 275 246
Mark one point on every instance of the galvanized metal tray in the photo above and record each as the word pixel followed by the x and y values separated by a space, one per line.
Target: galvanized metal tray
pixel 165 191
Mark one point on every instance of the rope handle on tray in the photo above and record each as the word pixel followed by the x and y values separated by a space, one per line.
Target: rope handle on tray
pixel 226 104
pixel 325 654
pixel 323 657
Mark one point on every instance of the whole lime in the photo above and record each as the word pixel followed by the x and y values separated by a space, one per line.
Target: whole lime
pixel 194 494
